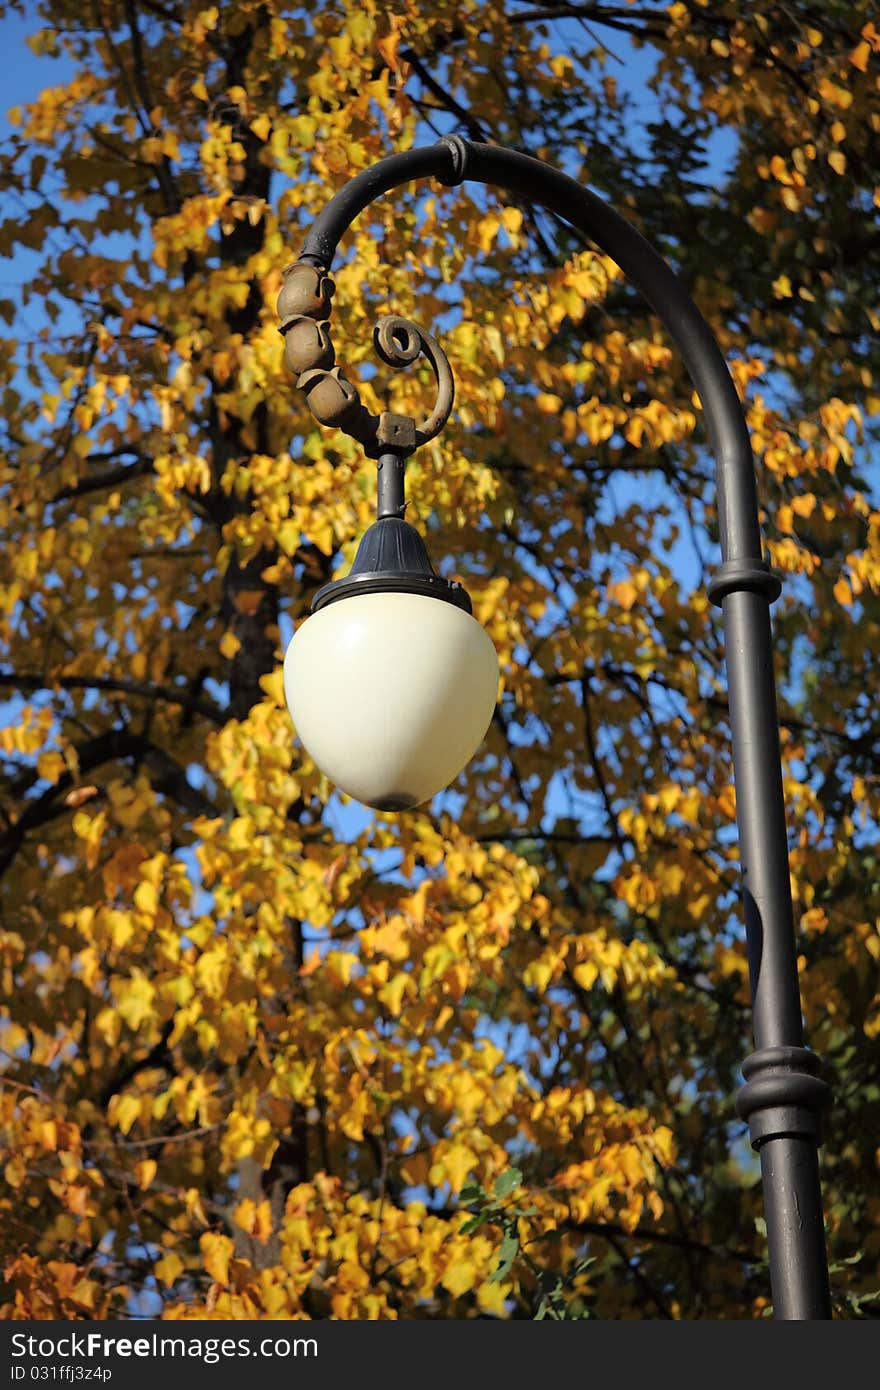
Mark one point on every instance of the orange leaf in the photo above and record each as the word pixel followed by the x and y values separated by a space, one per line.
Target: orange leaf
pixel 835 95
pixel 247 601
pixel 388 47
pixel 843 592
pixel 79 795
pixel 860 55
pixel 311 965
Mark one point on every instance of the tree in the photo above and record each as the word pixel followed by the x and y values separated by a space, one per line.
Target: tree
pixel 264 1055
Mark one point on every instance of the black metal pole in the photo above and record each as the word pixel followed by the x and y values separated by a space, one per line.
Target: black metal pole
pixel 390 492
pixel 783 1097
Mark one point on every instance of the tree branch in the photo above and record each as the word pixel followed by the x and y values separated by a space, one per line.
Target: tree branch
pixel 112 478
pixel 166 776
pixel 187 700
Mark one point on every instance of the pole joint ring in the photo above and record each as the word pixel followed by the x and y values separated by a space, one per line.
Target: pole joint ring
pixel 734 576
pixel 459 150
pixel 783 1094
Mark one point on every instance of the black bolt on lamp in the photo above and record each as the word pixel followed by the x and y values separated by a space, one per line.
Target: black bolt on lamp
pixel 391 683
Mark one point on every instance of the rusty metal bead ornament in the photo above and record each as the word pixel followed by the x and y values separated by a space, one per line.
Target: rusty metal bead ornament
pixel 332 401
pixel 307 346
pixel 304 310
pixel 306 291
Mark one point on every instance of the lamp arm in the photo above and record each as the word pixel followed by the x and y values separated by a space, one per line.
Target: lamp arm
pixel 784 1096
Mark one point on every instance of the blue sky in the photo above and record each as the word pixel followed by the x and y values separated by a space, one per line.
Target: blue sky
pixel 23 73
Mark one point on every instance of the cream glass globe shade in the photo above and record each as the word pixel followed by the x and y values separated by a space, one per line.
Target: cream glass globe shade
pixel 391 694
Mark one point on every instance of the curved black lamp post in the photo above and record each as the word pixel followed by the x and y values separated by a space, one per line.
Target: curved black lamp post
pixel 783 1097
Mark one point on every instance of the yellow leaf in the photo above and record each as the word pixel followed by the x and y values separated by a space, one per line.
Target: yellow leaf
pixel 273 684
pixel 805 505
pixel 391 939
pixel 655 1205
pixel 837 160
pixel 491 1298
pixel 108 1026
pixel 512 219
pixel 339 966
pixel 487 230
pixel 459 1277
pixel 843 593
pixel 123 1112
pixel 391 995
pixel 146 899
pixel 229 645
pixel 168 1268
pixel 456 1163
pixel 145 1171
pixel 212 970
pixel 51 765
pixel 288 534
pixel 15 1171
pixel 134 1000
pixel 586 974
pixel 216 1254
pixel 83 1292
pixel 782 287
pixel 255 1219
pixel 538 974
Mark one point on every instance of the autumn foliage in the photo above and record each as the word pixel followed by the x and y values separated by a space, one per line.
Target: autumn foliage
pixel 265 1054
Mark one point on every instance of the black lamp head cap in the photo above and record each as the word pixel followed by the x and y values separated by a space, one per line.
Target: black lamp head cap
pixel 392 558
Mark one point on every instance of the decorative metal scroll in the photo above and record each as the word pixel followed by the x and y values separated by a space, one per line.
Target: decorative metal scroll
pixel 304 309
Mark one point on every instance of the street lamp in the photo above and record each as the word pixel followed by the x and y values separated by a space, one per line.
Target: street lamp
pixel 380 711
pixel 393 694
